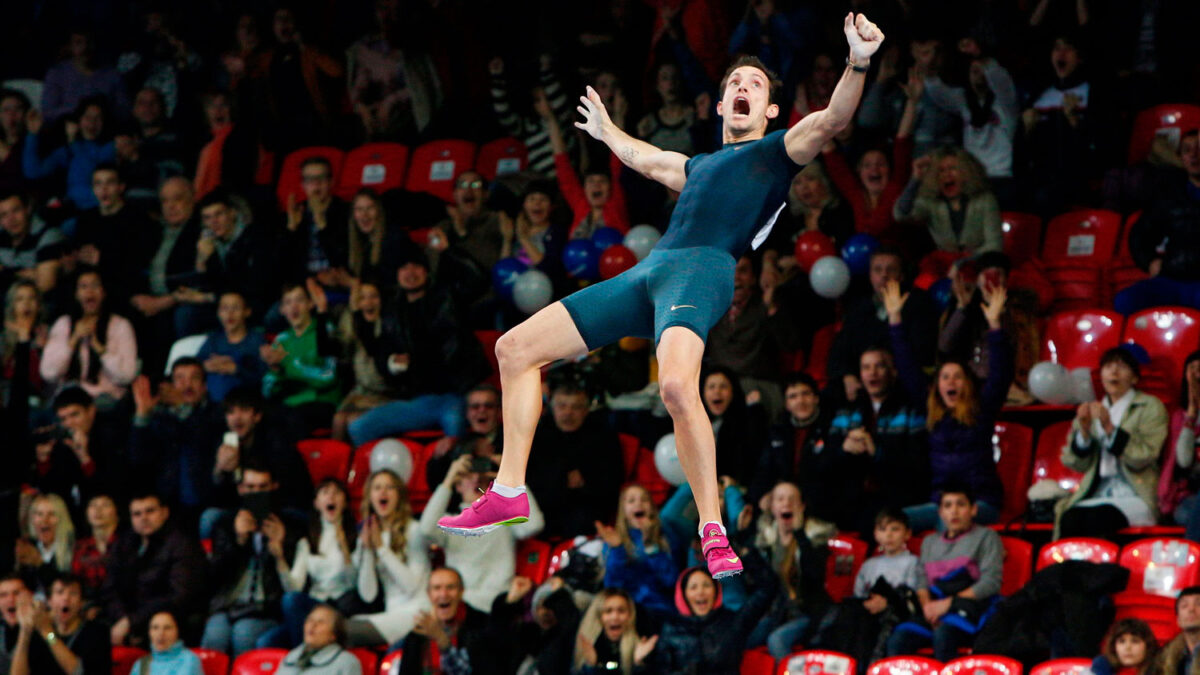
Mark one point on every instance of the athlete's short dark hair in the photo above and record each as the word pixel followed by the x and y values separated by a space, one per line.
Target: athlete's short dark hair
pixel 774 83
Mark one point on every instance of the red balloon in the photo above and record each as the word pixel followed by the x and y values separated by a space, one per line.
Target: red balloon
pixel 811 247
pixel 614 260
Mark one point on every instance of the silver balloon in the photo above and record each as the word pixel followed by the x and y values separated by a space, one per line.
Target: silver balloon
pixel 666 460
pixel 532 291
pixel 393 455
pixel 641 239
pixel 830 277
pixel 1049 382
pixel 1082 390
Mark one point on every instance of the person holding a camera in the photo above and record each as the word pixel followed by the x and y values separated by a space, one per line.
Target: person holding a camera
pixel 246 547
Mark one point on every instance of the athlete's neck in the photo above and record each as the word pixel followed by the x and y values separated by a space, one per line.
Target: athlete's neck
pixel 730 136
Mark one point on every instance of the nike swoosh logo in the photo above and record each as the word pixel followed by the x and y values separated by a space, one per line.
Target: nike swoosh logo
pixel 675 307
pixel 734 559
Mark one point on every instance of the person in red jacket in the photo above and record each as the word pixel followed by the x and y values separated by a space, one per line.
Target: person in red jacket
pixel 599 201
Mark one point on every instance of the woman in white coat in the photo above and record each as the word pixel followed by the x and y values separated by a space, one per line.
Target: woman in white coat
pixel 392 557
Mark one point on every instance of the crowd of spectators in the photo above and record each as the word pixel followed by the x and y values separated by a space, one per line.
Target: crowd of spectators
pixel 160 501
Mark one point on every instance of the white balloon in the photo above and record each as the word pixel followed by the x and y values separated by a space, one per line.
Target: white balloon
pixel 393 455
pixel 1080 380
pixel 1050 383
pixel 666 460
pixel 641 239
pixel 532 291
pixel 830 277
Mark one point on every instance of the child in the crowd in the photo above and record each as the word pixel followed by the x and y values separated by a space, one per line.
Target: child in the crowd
pixel 608 638
pixel 231 355
pixel 795 545
pixel 959 578
pixel 1129 650
pixel 860 625
pixel 637 557
pixel 302 364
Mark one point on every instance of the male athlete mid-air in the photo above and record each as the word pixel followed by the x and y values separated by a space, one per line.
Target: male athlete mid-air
pixel 728 200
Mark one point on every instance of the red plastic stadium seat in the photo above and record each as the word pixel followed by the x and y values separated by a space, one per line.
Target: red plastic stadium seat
pixel 1079 548
pixel 1018 564
pixel 367 658
pixel 379 166
pixel 638 463
pixel 1078 339
pixel 1168 334
pixel 325 457
pixel 391 663
pixel 817 662
pixel 1123 272
pixel 501 157
pixel 1169 119
pixel 846 556
pixel 1013 446
pixel 1078 245
pixel 757 661
pixel 560 557
pixel 1047 462
pixel 212 661
pixel 289 174
pixel 1161 566
pixel 1062 667
pixel 436 164
pixel 1022 236
pixel 905 665
pixel 258 661
pixel 488 338
pixel 533 560
pixel 1158 611
pixel 124 657
pixel 982 665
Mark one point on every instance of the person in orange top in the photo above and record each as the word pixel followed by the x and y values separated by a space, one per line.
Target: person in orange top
pixel 600 200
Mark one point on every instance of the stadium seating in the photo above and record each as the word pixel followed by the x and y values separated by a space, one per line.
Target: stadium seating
pixel 817 662
pixel 289 173
pixel 1168 119
pixel 533 560
pixel 846 556
pixel 390 665
pixel 906 665
pixel 1047 462
pixel 1014 461
pixel 184 347
pixel 1168 334
pixel 487 339
pixel 1161 566
pixel 325 457
pixel 258 661
pixel 1081 548
pixel 757 661
pixel 979 664
pixel 1062 667
pixel 1077 247
pixel 124 657
pixel 1018 564
pixel 818 355
pixel 1077 339
pixel 1022 236
pixel 501 157
pixel 436 164
pixel 212 661
pixel 379 166
pixel 360 470
pixel 367 658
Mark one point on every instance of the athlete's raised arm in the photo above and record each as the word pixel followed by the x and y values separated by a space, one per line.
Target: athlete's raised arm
pixel 663 166
pixel 805 140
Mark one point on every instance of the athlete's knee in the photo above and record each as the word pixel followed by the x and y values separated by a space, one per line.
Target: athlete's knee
pixel 513 352
pixel 679 394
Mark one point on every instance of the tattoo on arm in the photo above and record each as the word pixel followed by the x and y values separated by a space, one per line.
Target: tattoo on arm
pixel 627 154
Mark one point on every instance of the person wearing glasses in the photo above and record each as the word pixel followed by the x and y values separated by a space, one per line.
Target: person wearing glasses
pixel 316 242
pixel 483 434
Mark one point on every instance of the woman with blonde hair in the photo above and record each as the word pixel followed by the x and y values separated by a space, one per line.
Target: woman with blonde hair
pixel 960 413
pixel 637 558
pixel 50 547
pixel 607 639
pixel 391 553
pixel 949 193
pixel 813 204
pixel 24 331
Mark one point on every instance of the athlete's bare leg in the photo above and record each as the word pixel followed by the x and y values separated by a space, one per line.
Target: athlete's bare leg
pixel 679 354
pixel 543 338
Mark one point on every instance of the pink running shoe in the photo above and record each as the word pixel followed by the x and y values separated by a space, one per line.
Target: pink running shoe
pixel 487 513
pixel 722 561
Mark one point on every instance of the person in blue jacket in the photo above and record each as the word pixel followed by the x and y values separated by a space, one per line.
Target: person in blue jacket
pixel 637 557
pixel 85 150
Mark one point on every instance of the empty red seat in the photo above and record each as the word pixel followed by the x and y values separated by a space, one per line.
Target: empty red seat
pixel 533 560
pixel 1158 611
pixel 1022 236
pixel 1161 566
pixel 1168 334
pixel 258 661
pixel 817 662
pixel 1079 548
pixel 757 661
pixel 391 663
pixel 982 665
pixel 846 556
pixel 1018 564
pixel 212 661
pixel 1047 461
pixel 1077 339
pixel 436 164
pixel 1078 245
pixel 905 665
pixel 1168 119
pixel 501 157
pixel 124 657
pixel 379 166
pixel 289 173
pixel 325 457
pixel 1062 667
pixel 367 658
pixel 1014 464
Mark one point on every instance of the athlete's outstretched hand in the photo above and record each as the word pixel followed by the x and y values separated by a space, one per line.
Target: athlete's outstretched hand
pixel 594 114
pixel 863 37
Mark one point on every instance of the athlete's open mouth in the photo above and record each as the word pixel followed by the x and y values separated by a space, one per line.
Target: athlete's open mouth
pixel 741 106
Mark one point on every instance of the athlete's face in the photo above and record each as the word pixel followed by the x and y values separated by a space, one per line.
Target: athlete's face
pixel 745 105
